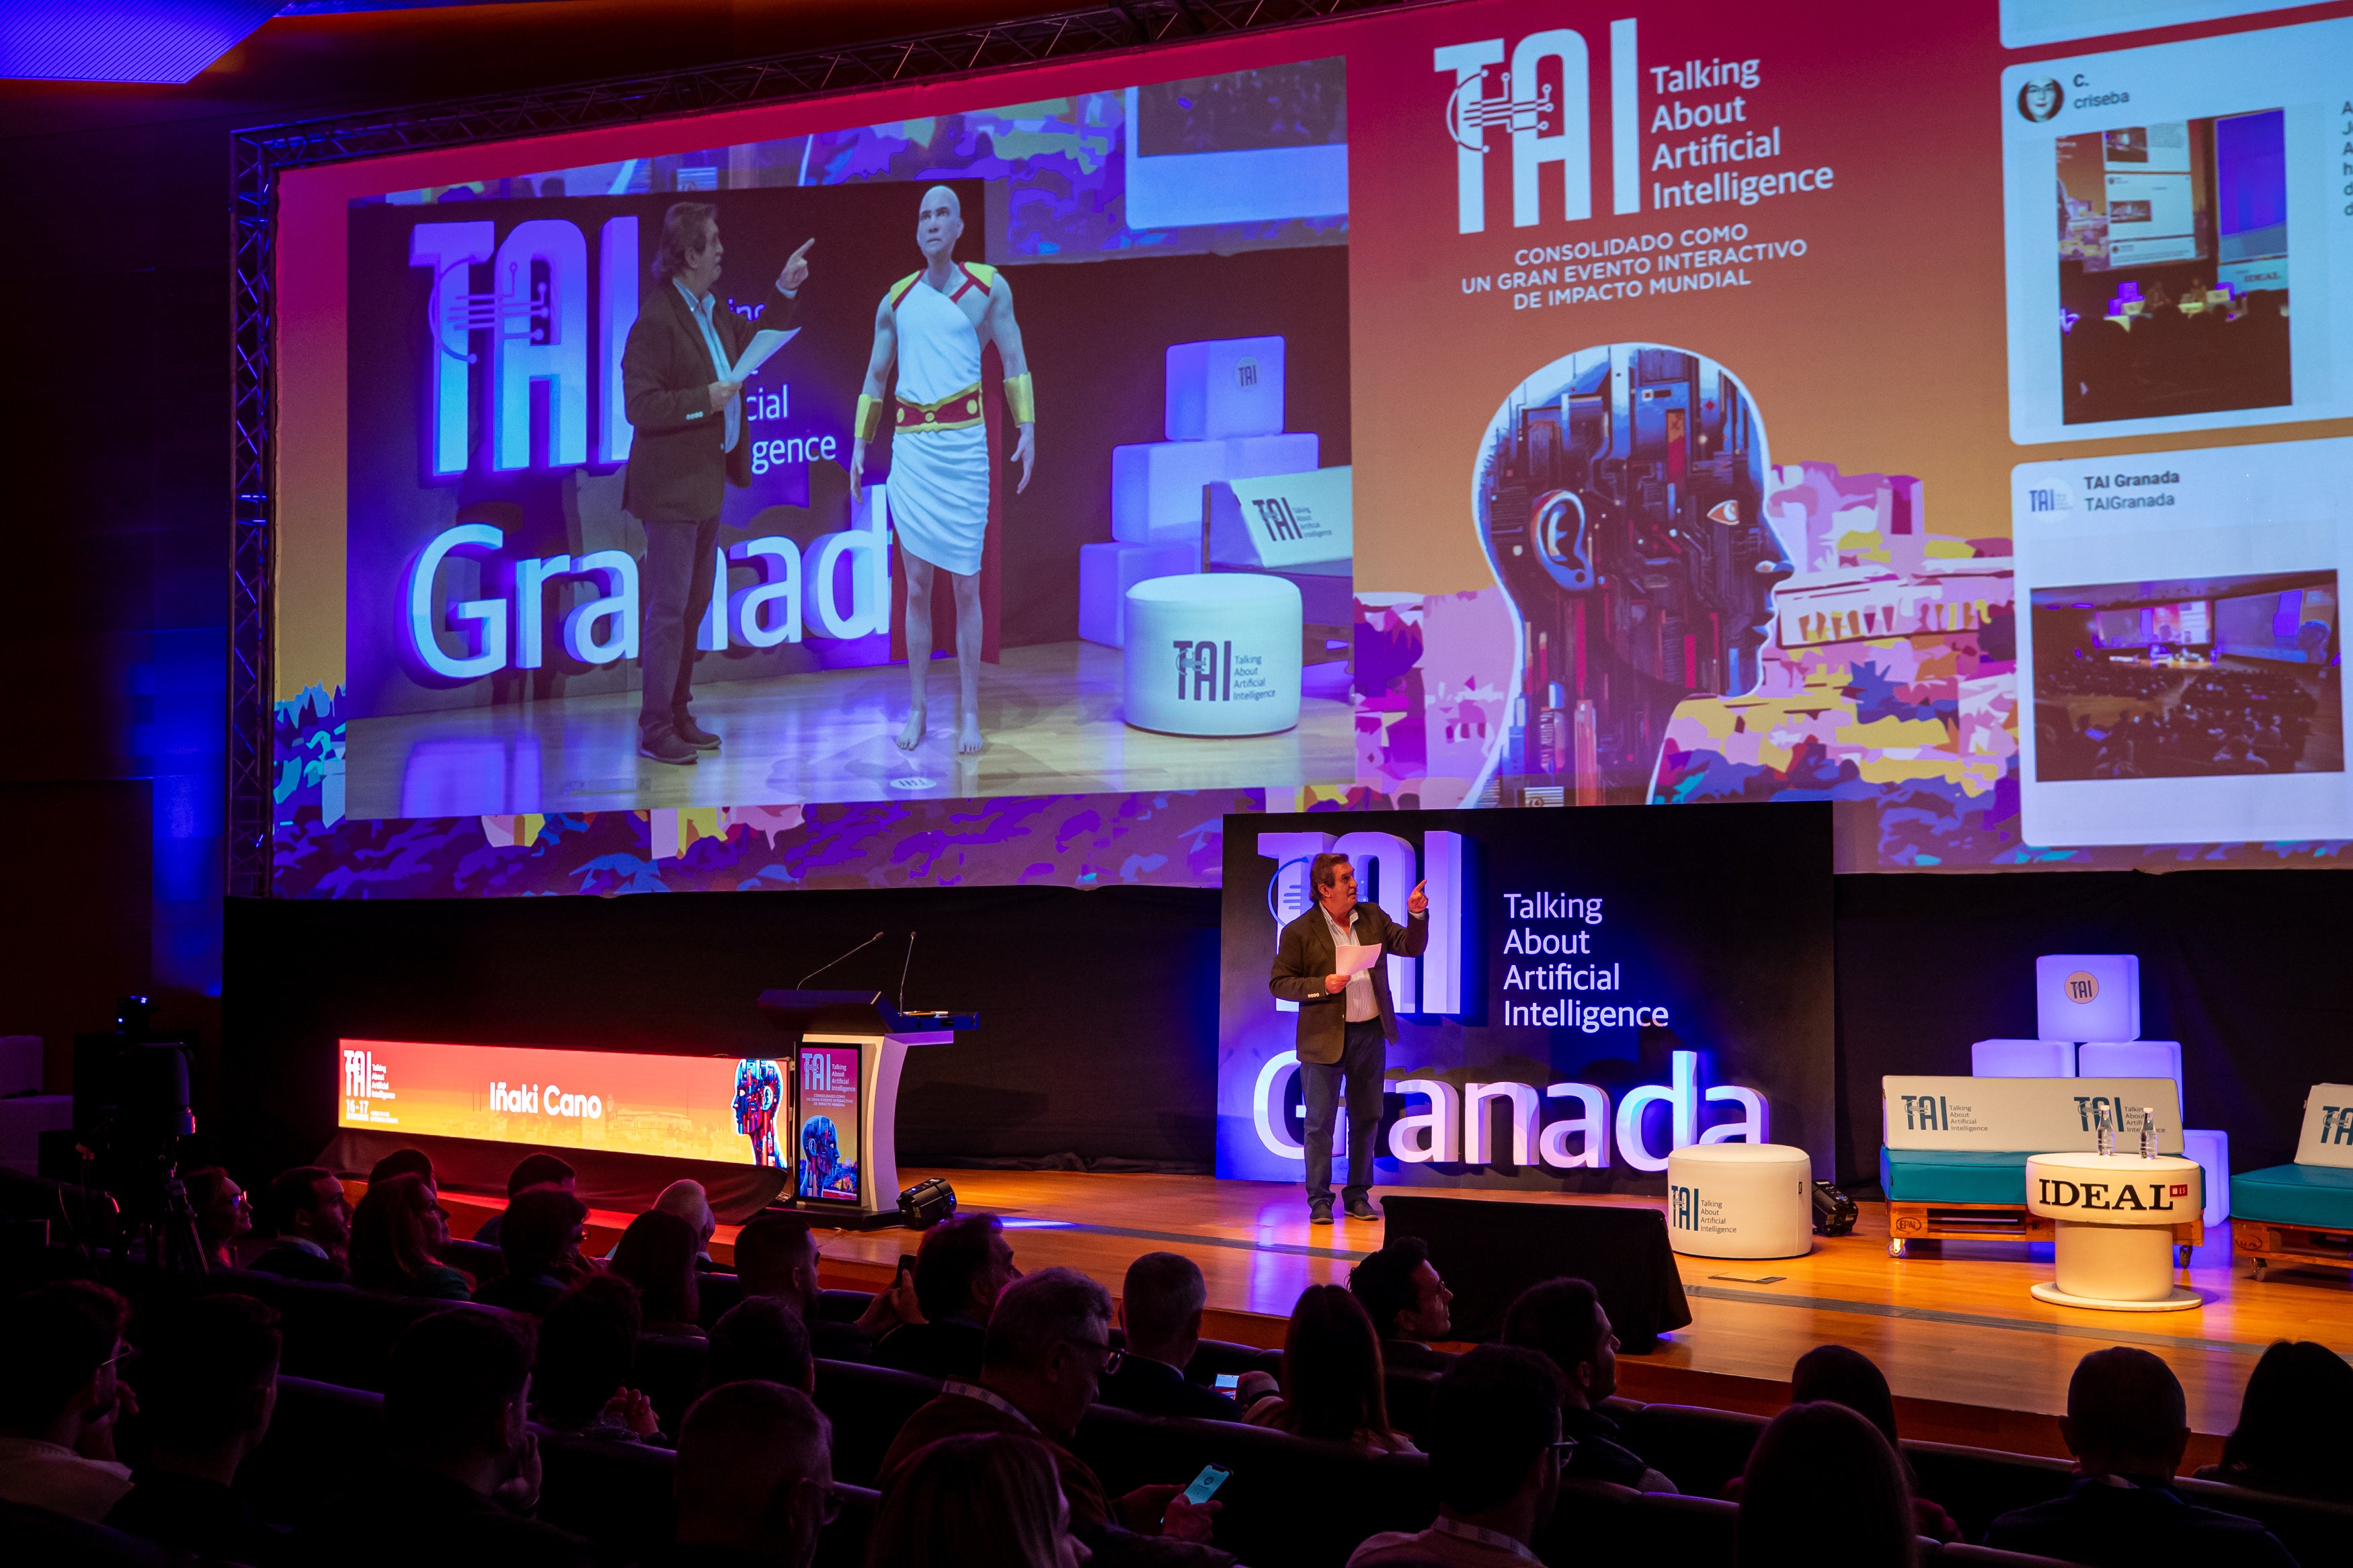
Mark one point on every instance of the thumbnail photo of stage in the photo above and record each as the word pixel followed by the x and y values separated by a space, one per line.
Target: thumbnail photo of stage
pixel 2173 268
pixel 2188 677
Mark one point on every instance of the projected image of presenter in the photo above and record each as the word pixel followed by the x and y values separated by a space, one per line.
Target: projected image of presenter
pixel 689 447
pixel 1345 1021
pixel 933 324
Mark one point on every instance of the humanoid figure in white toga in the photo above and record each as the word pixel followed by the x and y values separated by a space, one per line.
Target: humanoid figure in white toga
pixel 935 323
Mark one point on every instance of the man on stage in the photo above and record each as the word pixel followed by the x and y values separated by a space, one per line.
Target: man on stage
pixel 1345 1021
pixel 935 323
pixel 689 447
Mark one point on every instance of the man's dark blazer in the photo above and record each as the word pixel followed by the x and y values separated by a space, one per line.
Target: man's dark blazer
pixel 1305 956
pixel 679 467
pixel 293 1263
pixel 1152 1387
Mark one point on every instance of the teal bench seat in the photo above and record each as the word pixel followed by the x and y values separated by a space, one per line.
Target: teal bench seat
pixel 2321 1196
pixel 1954 1175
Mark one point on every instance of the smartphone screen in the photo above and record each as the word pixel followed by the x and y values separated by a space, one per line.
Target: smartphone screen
pixel 907 1264
pixel 1227 1382
pixel 1205 1485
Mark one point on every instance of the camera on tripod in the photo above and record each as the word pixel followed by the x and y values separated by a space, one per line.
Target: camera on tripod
pixel 132 1111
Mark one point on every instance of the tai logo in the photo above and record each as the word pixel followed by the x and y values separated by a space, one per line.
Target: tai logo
pixel 1546 127
pixel 1926 1113
pixel 1684 1204
pixel 2082 987
pixel 363 1077
pixel 2046 497
pixel 1246 373
pixel 1281 518
pixel 2336 1124
pixel 1204 671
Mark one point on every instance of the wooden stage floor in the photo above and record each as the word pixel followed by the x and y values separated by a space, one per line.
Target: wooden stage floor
pixel 1972 1357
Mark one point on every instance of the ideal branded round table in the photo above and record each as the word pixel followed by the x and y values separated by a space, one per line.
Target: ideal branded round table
pixel 1740 1200
pixel 2114 1228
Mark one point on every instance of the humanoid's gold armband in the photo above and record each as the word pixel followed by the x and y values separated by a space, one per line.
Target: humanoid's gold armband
pixel 1020 399
pixel 870 416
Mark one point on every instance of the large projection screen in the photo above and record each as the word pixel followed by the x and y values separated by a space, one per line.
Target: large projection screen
pixel 1500 404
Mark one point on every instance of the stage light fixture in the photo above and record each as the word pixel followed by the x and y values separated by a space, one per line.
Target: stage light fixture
pixel 926 1204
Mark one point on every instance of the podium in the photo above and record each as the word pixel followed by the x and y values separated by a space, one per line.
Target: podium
pixel 848 1048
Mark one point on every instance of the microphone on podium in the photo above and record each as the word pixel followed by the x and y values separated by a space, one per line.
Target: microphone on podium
pixel 829 962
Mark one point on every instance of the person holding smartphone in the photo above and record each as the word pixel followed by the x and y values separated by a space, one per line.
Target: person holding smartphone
pixel 1160 1306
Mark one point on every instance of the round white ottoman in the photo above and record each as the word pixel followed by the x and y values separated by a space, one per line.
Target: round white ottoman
pixel 2113 1228
pixel 1213 653
pixel 1740 1200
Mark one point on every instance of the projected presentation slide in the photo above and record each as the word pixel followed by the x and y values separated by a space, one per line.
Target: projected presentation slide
pixel 1430 408
pixel 2200 700
pixel 2194 184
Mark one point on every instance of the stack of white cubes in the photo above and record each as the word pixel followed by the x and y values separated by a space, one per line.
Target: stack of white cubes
pixel 2087 1018
pixel 1223 418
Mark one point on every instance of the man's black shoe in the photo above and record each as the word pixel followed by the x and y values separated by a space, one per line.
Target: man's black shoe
pixel 1361 1207
pixel 696 735
pixel 666 749
pixel 1319 1211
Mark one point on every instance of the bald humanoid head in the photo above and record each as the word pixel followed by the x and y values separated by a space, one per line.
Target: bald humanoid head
pixel 939 224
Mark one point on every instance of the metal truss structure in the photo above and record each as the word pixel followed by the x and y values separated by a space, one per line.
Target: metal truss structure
pixel 263 153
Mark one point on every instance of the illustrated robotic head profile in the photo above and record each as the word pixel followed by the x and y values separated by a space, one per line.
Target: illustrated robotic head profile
pixel 820 1146
pixel 1619 499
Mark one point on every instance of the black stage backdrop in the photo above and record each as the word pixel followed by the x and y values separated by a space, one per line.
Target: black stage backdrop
pixel 1101 1007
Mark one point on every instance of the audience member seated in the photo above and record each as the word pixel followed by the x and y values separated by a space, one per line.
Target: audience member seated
pixel 963 1266
pixel 531 1171
pixel 1160 1307
pixel 1408 1302
pixel 1495 1459
pixel 1048 1342
pixel 754 1481
pixel 2128 1426
pixel 59 1346
pixel 406 1162
pixel 687 1200
pixel 208 1381
pixel 776 1257
pixel 1564 1319
pixel 1851 1378
pixel 760 1338
pixel 394 1233
pixel 223 1217
pixel 1333 1385
pixel 587 1355
pixel 305 1209
pixel 2293 1435
pixel 997 1488
pixel 541 1243
pixel 657 1255
pixel 458 1474
pixel 1824 1490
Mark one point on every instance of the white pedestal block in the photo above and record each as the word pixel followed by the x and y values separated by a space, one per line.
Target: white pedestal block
pixel 1106 572
pixel 2022 1059
pixel 1213 655
pixel 2133 1058
pixel 2087 997
pixel 2210 1147
pixel 1225 386
pixel 1740 1200
pixel 1156 486
pixel 2114 1216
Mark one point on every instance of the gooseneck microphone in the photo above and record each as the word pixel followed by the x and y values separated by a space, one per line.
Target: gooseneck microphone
pixel 903 972
pixel 829 962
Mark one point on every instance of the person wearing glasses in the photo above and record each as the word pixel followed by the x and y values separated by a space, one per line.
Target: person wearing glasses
pixel 755 1480
pixel 60 1352
pixel 1495 1457
pixel 1048 1347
